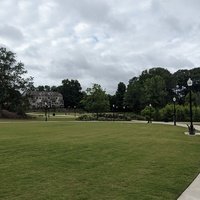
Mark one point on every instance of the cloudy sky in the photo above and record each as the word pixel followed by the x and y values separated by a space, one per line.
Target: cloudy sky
pixel 100 41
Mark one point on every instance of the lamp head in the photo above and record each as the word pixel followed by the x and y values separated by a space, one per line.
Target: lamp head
pixel 189 82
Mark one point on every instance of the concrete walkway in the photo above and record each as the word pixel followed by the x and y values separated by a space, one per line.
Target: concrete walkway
pixel 193 191
pixel 182 124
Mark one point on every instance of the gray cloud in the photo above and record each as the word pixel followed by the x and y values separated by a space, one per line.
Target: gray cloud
pixel 102 42
pixel 11 33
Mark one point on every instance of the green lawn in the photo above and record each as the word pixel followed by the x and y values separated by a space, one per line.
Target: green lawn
pixel 39 116
pixel 97 161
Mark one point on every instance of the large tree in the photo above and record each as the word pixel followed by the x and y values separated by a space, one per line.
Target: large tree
pixel 96 100
pixel 134 95
pixel 152 86
pixel 71 91
pixel 155 91
pixel 13 84
pixel 121 89
pixel 181 77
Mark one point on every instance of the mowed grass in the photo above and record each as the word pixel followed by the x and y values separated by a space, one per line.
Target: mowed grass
pixel 71 160
pixel 39 116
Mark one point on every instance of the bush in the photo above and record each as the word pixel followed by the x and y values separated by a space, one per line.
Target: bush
pixel 86 118
pixel 196 114
pixel 105 117
pixel 11 115
pixel 134 116
pixel 167 113
pixel 148 113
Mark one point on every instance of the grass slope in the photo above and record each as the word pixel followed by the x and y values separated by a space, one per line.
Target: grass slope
pixel 60 160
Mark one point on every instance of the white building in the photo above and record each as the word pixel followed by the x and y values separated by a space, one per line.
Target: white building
pixel 51 99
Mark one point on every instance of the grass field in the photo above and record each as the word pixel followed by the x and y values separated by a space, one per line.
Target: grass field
pixel 39 116
pixel 97 161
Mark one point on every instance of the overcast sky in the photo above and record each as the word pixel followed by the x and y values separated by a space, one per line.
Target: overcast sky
pixel 100 41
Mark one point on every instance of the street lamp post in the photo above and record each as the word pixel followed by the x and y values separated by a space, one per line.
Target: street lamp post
pixel 174 100
pixel 113 109
pixel 46 107
pixel 116 111
pixel 75 111
pixel 150 113
pixel 124 108
pixel 191 127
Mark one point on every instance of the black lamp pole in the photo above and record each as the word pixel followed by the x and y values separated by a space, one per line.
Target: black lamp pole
pixel 124 107
pixel 150 113
pixel 174 100
pixel 113 106
pixel 75 111
pixel 191 128
pixel 46 107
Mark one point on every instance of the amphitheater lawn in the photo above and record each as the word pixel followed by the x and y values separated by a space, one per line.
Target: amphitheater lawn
pixel 71 160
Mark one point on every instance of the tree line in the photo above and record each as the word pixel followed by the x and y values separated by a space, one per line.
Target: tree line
pixel 156 86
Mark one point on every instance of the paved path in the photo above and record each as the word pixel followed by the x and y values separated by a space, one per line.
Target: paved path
pixel 182 124
pixel 193 191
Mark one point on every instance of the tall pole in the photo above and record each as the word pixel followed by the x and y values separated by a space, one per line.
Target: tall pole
pixel 191 121
pixel 46 111
pixel 150 113
pixel 174 100
pixel 113 106
pixel 124 107
pixel 75 111
pixel 191 128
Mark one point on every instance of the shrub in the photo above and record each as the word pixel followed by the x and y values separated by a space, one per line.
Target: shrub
pixel 148 113
pixel 105 117
pixel 167 113
pixel 86 118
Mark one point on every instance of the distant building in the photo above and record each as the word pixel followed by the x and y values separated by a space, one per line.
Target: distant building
pixel 51 99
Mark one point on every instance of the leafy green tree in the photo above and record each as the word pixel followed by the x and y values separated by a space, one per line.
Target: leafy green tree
pixel 167 113
pixel 148 112
pixel 152 86
pixel 195 98
pixel 120 93
pixel 195 75
pixel 54 88
pixel 157 71
pixel 155 91
pixel 40 88
pixel 13 85
pixel 134 97
pixel 47 88
pixel 196 114
pixel 181 77
pixel 71 91
pixel 112 101
pixel 166 77
pixel 96 100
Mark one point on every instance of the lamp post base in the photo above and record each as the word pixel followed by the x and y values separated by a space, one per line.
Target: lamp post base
pixel 191 130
